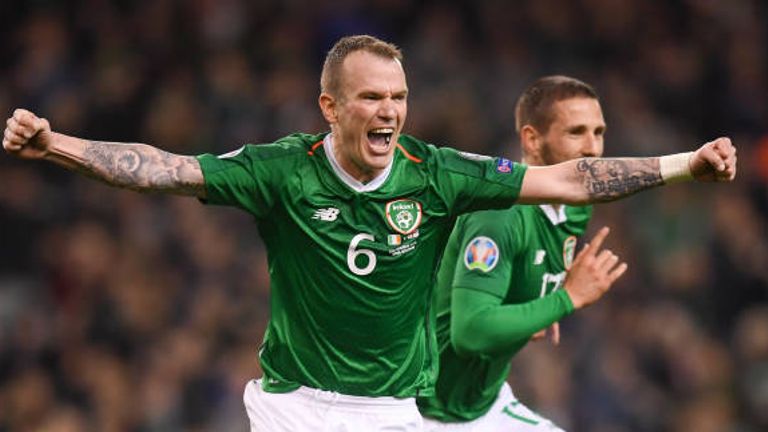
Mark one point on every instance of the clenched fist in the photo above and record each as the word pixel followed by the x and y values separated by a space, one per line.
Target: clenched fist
pixel 714 161
pixel 27 135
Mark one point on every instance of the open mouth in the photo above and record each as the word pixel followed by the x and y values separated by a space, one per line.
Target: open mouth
pixel 380 138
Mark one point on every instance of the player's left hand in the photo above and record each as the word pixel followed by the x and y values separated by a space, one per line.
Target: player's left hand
pixel 714 161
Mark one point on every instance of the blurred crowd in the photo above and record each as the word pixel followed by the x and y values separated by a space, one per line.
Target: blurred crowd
pixel 128 312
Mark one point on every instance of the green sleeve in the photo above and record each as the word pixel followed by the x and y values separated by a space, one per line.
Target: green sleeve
pixel 471 182
pixel 247 178
pixel 480 324
pixel 488 242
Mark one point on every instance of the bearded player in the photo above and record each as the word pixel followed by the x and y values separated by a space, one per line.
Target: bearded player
pixel 507 275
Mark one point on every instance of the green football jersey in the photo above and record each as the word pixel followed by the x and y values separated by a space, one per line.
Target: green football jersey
pixel 352 266
pixel 517 255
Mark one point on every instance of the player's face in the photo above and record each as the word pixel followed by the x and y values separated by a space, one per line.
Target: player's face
pixel 577 131
pixel 368 114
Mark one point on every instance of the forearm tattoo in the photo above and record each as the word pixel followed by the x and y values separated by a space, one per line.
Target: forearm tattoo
pixel 610 179
pixel 142 168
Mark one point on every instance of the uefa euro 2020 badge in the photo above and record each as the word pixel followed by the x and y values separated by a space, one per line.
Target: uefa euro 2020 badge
pixel 481 254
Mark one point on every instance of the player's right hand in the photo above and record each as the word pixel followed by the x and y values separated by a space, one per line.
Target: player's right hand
pixel 593 272
pixel 27 135
pixel 552 331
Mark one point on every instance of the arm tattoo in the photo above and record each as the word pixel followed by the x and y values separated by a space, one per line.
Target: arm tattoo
pixel 142 168
pixel 611 179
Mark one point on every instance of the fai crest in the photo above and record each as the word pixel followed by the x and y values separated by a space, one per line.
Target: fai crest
pixel 403 215
pixel 481 254
pixel 569 249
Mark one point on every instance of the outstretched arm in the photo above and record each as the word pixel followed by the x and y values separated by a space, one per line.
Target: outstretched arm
pixel 590 180
pixel 138 167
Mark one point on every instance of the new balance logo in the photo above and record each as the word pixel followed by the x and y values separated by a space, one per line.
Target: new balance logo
pixel 327 214
pixel 539 259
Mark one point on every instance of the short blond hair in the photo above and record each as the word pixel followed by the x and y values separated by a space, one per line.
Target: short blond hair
pixel 330 79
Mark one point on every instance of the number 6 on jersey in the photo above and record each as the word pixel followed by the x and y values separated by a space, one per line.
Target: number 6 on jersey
pixel 353 253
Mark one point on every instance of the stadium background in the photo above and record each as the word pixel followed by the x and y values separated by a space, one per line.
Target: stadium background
pixel 123 312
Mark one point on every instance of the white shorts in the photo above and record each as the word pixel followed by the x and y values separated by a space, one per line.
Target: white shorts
pixel 312 410
pixel 506 414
